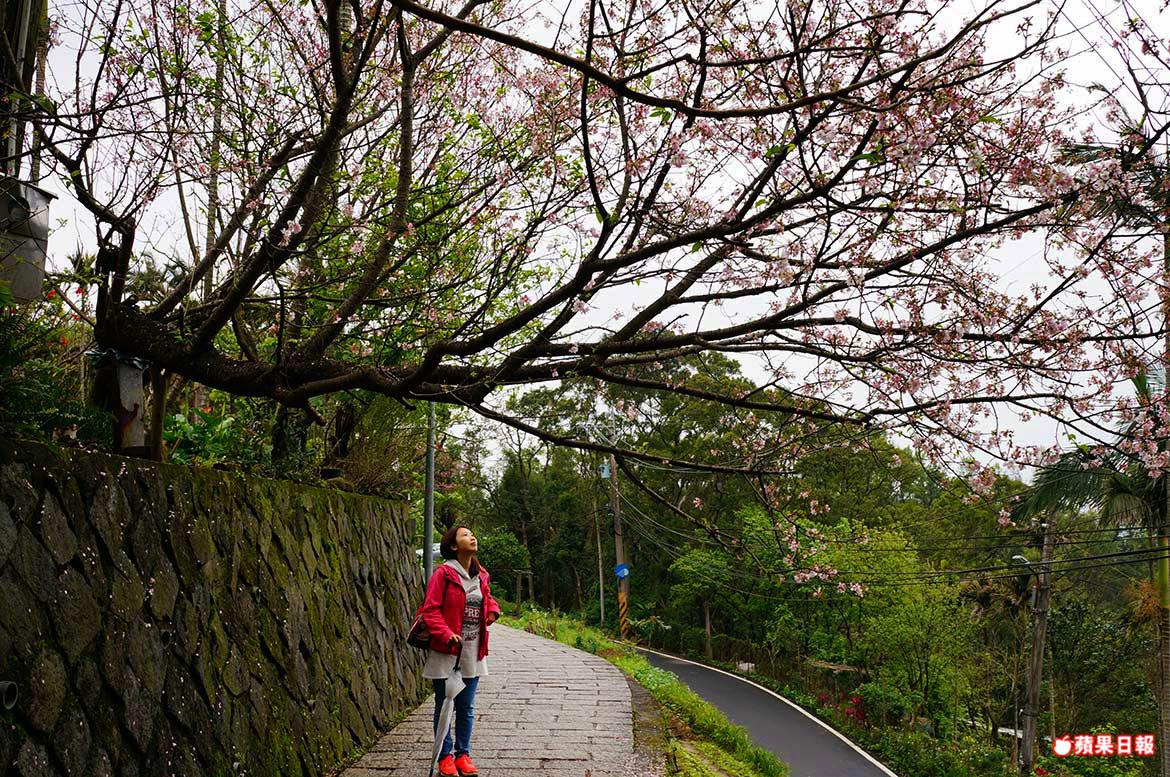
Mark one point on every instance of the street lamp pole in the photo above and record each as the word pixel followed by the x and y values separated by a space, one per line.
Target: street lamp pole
pixel 429 499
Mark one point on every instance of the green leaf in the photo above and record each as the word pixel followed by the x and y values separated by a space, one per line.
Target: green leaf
pixel 779 149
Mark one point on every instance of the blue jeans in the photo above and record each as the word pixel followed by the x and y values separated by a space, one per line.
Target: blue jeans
pixel 464 716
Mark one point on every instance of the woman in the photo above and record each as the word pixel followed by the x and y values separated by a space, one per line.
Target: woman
pixel 457 610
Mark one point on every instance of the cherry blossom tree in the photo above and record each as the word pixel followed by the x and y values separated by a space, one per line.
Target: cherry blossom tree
pixel 437 201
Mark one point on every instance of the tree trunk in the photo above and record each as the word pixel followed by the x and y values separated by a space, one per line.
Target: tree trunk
pixel 707 624
pixel 158 413
pixel 577 586
pixel 221 22
pixel 289 434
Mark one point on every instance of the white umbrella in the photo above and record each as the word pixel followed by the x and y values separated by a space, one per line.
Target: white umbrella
pixel 455 685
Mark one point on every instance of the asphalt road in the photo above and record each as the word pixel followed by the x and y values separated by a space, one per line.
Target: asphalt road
pixel 806 746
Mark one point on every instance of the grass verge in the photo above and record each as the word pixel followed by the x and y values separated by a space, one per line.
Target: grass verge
pixel 701 741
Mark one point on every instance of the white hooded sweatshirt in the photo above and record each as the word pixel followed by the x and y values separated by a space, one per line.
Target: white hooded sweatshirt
pixel 439 665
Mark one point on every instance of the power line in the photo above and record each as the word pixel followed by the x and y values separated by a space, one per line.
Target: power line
pixel 926 573
pixel 865 548
pixel 924 577
pixel 696 537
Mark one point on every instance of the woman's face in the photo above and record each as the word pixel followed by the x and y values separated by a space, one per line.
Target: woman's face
pixel 465 540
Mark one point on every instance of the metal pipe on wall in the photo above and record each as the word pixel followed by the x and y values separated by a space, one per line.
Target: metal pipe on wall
pixel 9 694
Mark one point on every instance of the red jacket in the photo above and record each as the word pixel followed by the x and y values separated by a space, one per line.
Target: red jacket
pixel 442 609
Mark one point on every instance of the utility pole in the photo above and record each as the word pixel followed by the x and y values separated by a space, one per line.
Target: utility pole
pixel 429 499
pixel 1041 595
pixel 619 546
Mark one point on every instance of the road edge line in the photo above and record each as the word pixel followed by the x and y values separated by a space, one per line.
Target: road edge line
pixel 790 703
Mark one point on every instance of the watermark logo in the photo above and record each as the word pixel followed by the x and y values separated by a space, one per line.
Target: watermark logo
pixel 1104 744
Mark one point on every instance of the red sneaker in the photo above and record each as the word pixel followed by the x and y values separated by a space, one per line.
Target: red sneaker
pixel 447 766
pixel 465 766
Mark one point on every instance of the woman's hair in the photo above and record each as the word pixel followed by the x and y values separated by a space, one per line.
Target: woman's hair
pixel 447 547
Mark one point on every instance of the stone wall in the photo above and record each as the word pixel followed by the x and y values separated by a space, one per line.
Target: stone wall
pixel 161 620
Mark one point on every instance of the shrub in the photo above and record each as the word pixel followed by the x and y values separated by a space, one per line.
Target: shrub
pixel 882 704
pixel 40 381
pixel 206 439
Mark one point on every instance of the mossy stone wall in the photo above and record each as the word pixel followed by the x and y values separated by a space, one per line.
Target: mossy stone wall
pixel 161 620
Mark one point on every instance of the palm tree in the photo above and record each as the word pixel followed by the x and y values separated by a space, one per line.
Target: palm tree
pixel 1118 486
pixel 1123 493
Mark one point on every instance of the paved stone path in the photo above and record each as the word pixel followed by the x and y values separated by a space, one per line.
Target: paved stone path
pixel 545 709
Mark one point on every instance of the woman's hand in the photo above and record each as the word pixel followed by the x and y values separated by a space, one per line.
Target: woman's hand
pixel 454 639
pixel 492 618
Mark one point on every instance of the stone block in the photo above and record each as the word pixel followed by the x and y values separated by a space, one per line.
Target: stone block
pixel 88 682
pixel 113 657
pixel 164 590
pixel 46 691
pixel 56 534
pixel 75 613
pixel 90 561
pixel 187 636
pixel 33 761
pixel 154 493
pixel 235 674
pixel 24 621
pixel 72 741
pixel 8 741
pixel 144 652
pixel 188 707
pixel 17 490
pixel 258 707
pixel 99 763
pixel 140 710
pixel 107 511
pixel 7 533
pixel 161 753
pixel 200 539
pixel 145 544
pixel 34 565
pixel 127 594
